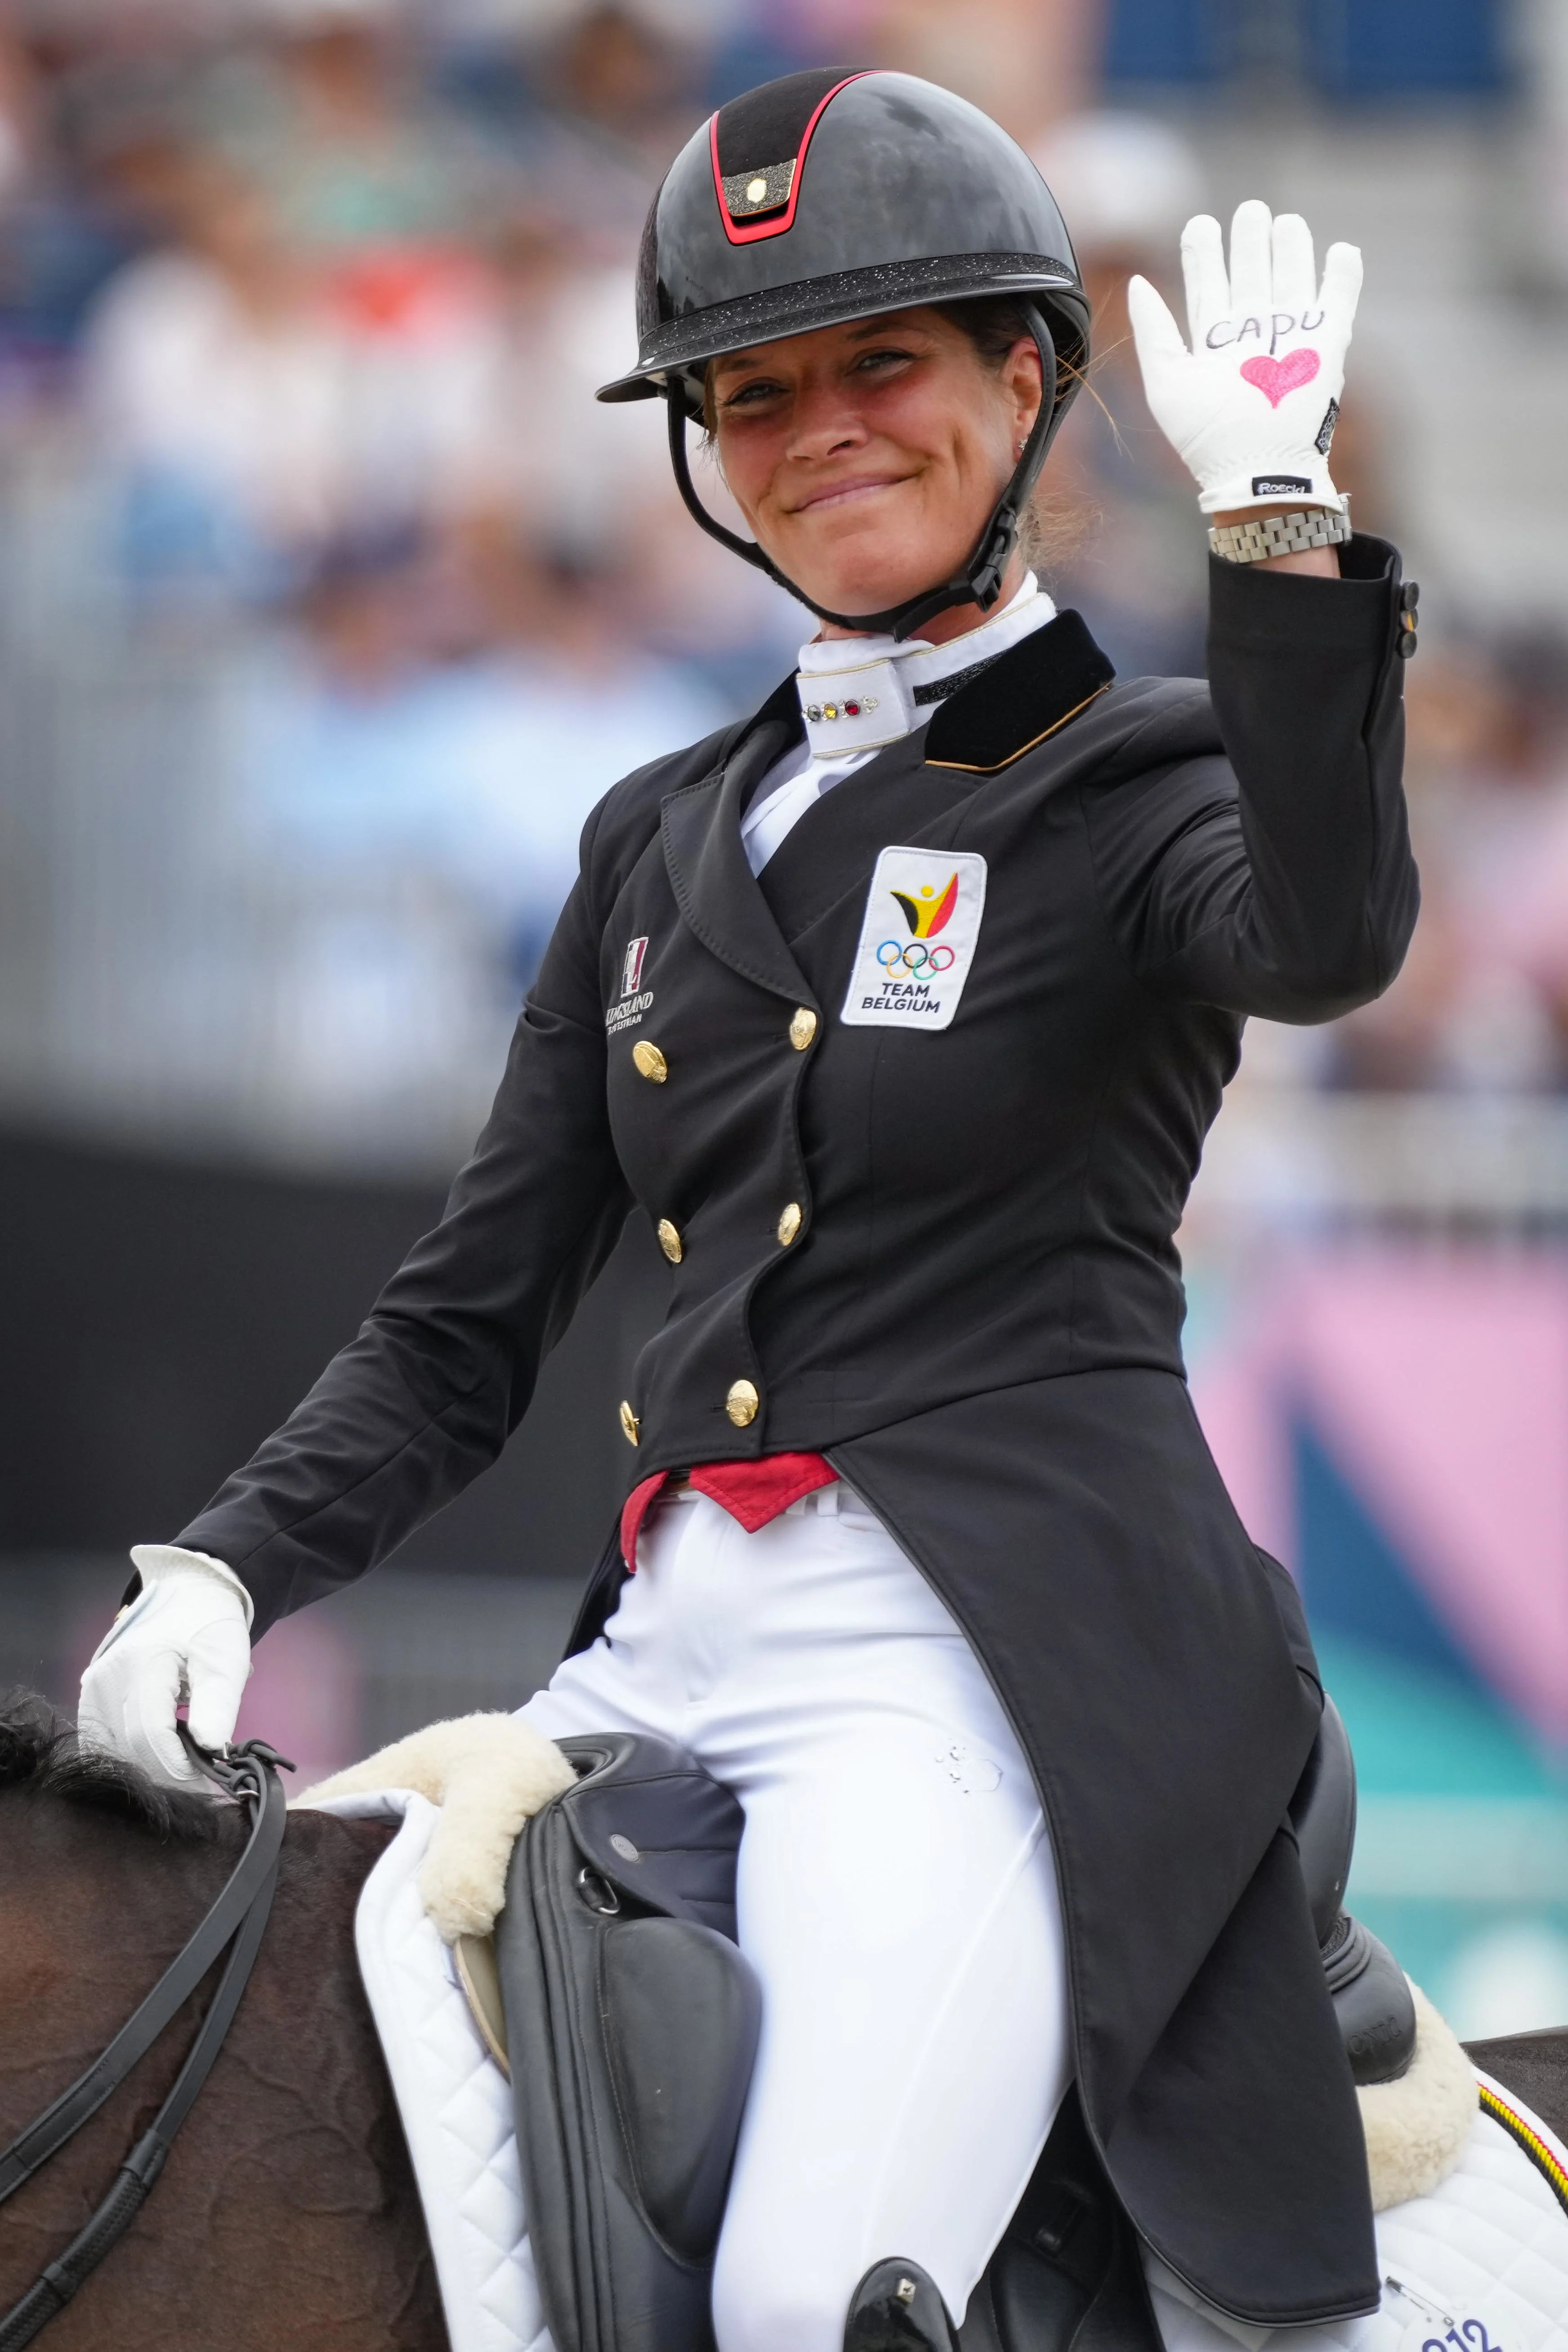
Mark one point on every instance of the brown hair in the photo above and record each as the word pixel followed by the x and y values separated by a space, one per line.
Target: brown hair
pixel 994 323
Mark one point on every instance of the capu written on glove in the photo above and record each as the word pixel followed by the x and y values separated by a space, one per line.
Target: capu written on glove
pixel 1251 405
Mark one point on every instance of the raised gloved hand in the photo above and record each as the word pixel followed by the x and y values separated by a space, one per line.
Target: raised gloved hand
pixel 1252 407
pixel 186 1635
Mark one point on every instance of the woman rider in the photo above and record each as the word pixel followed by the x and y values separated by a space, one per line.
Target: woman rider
pixel 901 1010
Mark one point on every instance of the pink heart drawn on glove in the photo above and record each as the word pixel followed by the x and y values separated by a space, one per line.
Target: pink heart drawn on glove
pixel 1277 377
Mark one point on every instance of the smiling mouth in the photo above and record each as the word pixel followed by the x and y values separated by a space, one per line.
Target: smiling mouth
pixel 844 493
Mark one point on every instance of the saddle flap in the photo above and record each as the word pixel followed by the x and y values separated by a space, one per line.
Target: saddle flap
pixel 655 1827
pixel 681 2014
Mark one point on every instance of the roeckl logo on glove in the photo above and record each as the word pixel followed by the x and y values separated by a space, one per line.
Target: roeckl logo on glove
pixel 1251 405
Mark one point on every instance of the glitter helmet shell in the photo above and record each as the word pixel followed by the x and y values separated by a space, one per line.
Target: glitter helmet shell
pixel 826 198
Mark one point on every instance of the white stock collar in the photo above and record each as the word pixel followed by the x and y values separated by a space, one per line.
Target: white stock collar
pixel 857 693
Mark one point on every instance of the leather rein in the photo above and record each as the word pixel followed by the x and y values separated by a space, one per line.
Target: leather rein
pixel 238 1918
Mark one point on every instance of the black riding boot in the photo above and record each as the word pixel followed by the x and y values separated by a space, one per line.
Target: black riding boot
pixel 1067 2277
pixel 897 2308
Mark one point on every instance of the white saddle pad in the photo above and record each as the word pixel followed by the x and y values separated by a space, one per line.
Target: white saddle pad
pixel 1482 2265
pixel 454 2100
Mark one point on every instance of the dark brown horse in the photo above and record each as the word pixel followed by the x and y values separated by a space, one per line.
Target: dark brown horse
pixel 287 2220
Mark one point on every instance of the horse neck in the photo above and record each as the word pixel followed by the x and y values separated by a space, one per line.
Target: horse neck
pixel 288 2216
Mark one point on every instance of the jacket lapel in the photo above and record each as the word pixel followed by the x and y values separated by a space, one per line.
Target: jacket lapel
pixel 706 861
pixel 829 853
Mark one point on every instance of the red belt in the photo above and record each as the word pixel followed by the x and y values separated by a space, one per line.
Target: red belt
pixel 751 1492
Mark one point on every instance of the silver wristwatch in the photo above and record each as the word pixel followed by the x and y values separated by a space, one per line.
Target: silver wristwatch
pixel 1288 534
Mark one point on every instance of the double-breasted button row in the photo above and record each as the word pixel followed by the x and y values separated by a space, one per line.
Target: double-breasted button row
pixel 743 1402
pixel 650 1062
pixel 743 1405
pixel 672 1242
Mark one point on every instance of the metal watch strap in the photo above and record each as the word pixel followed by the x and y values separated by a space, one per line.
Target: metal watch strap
pixel 1289 534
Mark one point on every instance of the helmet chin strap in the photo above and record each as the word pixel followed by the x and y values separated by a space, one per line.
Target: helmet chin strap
pixel 979 581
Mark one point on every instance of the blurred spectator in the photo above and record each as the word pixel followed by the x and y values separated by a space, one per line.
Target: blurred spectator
pixel 253 404
pixel 357 154
pixel 1116 501
pixel 440 718
pixel 213 379
pixel 560 324
pixel 63 230
pixel 1482 1001
pixel 588 103
pixel 1027 65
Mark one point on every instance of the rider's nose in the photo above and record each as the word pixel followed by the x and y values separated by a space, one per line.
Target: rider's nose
pixel 825 425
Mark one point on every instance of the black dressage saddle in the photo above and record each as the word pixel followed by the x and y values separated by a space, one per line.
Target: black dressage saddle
pixel 632 2023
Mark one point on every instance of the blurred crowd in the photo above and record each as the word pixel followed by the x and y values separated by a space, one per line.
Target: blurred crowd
pixel 313 296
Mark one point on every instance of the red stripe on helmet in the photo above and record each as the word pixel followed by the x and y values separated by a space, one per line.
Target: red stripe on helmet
pixel 773 227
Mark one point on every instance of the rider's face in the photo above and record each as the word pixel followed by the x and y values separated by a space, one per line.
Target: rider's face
pixel 867 458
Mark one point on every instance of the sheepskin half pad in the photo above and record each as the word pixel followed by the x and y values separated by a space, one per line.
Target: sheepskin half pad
pixel 1416 2127
pixel 487 1773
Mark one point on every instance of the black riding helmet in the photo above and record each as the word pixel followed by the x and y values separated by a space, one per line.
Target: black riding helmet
pixel 827 197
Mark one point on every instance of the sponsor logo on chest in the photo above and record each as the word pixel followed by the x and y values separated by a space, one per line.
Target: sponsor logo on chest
pixel 634 1000
pixel 916 941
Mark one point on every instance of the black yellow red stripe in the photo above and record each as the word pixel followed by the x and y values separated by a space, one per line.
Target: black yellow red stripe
pixel 1528 2138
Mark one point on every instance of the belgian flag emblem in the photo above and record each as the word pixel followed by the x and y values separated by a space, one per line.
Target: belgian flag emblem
pixel 927 914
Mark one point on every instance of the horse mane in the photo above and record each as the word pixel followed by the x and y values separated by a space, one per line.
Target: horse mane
pixel 41 1756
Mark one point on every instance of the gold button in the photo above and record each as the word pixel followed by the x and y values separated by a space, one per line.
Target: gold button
pixel 802 1028
pixel 756 190
pixel 650 1061
pixel 670 1241
pixel 630 1429
pixel 743 1403
pixel 789 1224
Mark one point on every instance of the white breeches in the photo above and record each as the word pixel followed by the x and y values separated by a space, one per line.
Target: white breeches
pixel 897 1898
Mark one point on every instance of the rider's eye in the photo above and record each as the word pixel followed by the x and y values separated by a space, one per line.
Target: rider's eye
pixel 748 395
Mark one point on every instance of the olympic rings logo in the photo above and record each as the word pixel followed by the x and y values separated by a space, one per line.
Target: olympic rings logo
pixel 914 956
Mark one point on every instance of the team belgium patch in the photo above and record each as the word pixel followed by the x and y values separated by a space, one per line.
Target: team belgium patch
pixel 916 941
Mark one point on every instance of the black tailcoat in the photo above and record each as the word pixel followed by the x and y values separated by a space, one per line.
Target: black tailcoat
pixel 979 1316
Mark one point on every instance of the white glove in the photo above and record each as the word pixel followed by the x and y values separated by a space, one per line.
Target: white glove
pixel 1252 407
pixel 186 1635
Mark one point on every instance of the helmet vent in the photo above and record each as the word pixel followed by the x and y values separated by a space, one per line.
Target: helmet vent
pixel 774 121
pixel 752 133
